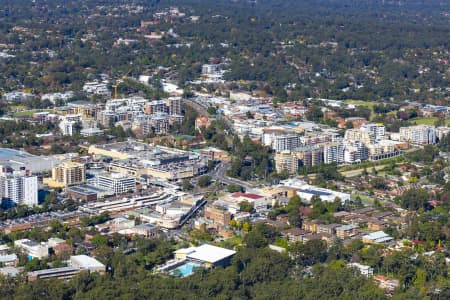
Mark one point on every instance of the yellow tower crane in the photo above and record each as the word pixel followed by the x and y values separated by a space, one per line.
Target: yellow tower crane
pixel 118 82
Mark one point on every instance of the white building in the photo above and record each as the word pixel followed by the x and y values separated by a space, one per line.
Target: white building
pixel 363 269
pixel 117 182
pixel 67 124
pixel 376 131
pixel 97 88
pixel 286 142
pixel 91 132
pixel 208 69
pixel 333 153
pixel 19 187
pixel 32 248
pixel 54 97
pixel 420 134
pixel 355 152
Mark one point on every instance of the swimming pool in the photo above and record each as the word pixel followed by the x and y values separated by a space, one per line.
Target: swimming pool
pixel 185 269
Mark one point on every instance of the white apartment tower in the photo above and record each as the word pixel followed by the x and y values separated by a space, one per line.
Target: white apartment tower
pixel 420 134
pixel 286 142
pixel 333 153
pixel 19 187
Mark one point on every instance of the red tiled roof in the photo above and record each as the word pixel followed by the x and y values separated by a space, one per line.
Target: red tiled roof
pixel 245 195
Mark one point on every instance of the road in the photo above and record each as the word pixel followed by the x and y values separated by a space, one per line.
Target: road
pixel 219 174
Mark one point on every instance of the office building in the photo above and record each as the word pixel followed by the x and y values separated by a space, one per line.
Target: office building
pixel 117 182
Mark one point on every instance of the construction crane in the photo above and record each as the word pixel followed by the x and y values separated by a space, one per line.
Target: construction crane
pixel 118 82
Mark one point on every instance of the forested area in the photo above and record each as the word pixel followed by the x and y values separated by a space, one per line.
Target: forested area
pixel 377 50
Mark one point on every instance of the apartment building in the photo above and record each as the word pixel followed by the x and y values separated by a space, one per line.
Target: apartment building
pixel 420 134
pixel 67 125
pixel 173 105
pixel 69 173
pixel 333 152
pixel 376 131
pixel 18 187
pixel 355 151
pixel 290 161
pixel 286 142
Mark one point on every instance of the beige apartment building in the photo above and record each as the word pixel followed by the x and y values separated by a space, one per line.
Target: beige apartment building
pixel 66 174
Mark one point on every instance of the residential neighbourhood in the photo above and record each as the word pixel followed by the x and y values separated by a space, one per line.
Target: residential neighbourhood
pixel 211 165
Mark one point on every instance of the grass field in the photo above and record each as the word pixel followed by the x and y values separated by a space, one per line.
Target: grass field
pixel 427 121
pixel 28 113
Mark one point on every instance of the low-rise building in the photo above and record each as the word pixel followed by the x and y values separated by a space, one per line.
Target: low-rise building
pixel 218 215
pixel 32 249
pixel 207 255
pixel 363 269
pixel 377 237
pixel 346 231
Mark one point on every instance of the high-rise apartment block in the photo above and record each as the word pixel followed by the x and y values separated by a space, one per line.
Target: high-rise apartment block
pixel 420 134
pixel 18 187
pixel 69 173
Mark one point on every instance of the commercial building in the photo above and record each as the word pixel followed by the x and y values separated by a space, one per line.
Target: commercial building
pixel 119 183
pixel 135 158
pixel 420 134
pixel 68 173
pixel 306 191
pixel 77 264
pixel 377 237
pixel 87 192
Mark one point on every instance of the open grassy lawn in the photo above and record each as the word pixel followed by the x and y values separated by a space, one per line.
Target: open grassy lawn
pixel 29 113
pixel 427 121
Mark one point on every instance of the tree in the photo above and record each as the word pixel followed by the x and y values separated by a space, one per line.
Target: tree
pixel 99 240
pixel 234 188
pixel 204 181
pixel 187 186
pixel 245 206
pixel 413 199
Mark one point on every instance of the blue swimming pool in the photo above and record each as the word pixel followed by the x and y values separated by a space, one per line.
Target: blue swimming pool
pixel 185 269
